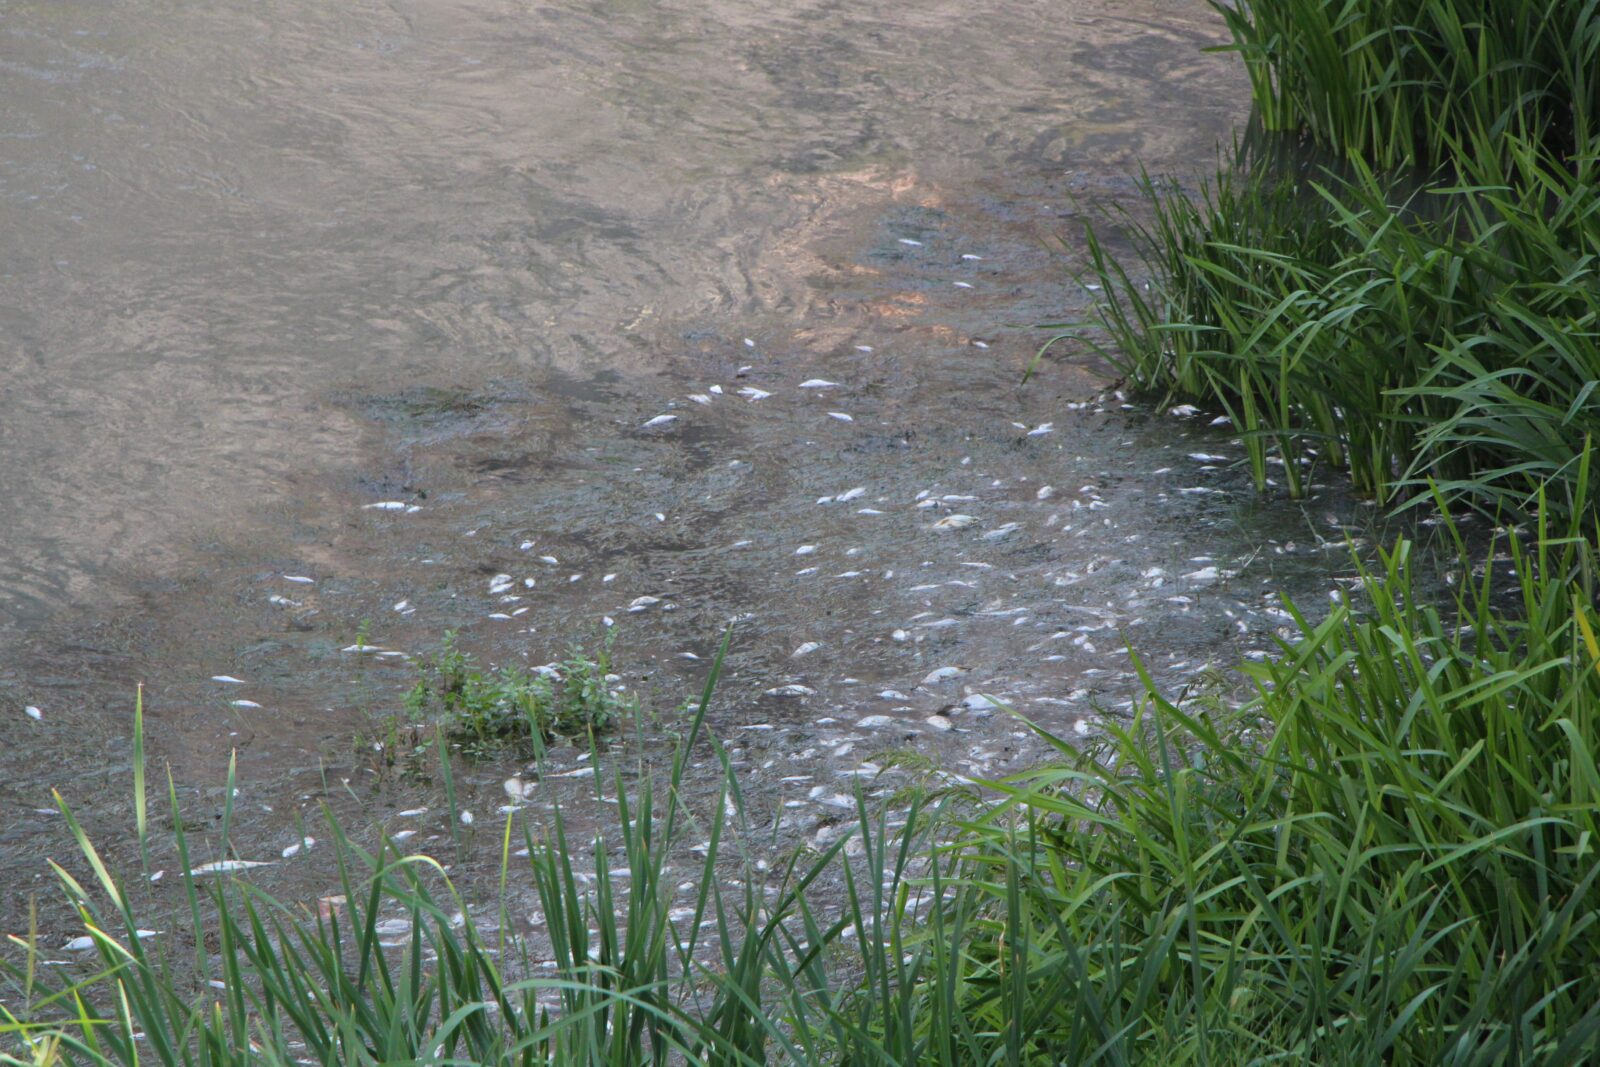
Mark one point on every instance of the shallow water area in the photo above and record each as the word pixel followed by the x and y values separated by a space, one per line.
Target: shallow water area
pixel 336 328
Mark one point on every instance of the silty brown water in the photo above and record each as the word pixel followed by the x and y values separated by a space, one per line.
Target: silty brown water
pixel 272 264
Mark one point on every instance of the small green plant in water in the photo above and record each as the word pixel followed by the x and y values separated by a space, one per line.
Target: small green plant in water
pixel 487 709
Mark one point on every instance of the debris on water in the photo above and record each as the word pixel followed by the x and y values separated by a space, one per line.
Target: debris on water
pixel 753 393
pixel 33 713
pixel 660 420
pixel 643 602
pixel 466 818
pixel 957 521
pixel 841 416
pixel 805 649
pixel 791 691
pixel 244 703
pixel 228 866
pixel 818 383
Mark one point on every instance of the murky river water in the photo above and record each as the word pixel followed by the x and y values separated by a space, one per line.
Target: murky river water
pixel 269 264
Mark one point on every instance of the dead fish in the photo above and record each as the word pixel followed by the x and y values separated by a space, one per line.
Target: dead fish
pixel 978 702
pixel 700 398
pixel 228 866
pixel 1204 457
pixel 863 348
pixel 909 242
pixel 283 601
pixel 805 550
pixel 641 603
pixel 386 505
pixel 900 635
pixel 500 583
pixel 954 522
pixel 1045 492
pixel 749 342
pixel 411 813
pixel 805 649
pixel 851 494
pixel 791 691
pixel 660 420
pixel 402 606
pixel 244 703
pixel 33 713
pixel 302 579
pixel 1204 574
pixel 1183 411
pixel 1002 531
pixel 963 285
pixel 304 844
pixel 970 256
pixel 551 560
pixel 818 383
pixel 753 393
pixel 841 416
pixel 717 389
pixel 980 344
pixel 366 650
pixel 1042 428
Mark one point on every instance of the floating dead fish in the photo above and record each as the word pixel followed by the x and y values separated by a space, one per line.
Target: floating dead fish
pixel 749 342
pixel 805 550
pixel 791 691
pixel 863 348
pixel 282 601
pixel 551 560
pixel 700 398
pixel 1002 531
pixel 1222 420
pixel 841 416
pixel 466 818
pixel 868 511
pixel 660 420
pixel 1183 411
pixel 980 344
pixel 402 835
pixel 641 603
pixel 386 505
pixel 970 256
pixel 302 579
pixel 963 285
pixel 943 674
pixel 1204 457
pixel 244 703
pixel 1042 428
pixel 900 635
pixel 500 583
pixel 33 713
pixel 305 844
pixel 851 494
pixel 818 383
pixel 410 813
pixel 402 606
pixel 609 578
pixel 717 389
pixel 753 393
pixel 362 650
pixel 228 866
pixel 1045 492
pixel 954 522
pixel 1204 574
pixel 805 649
pixel 910 242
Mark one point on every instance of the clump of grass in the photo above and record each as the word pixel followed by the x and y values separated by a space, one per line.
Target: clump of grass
pixel 482 710
pixel 1443 334
pixel 1387 855
pixel 1400 83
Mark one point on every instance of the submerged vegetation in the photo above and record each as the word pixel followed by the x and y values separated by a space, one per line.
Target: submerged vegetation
pixel 1387 851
